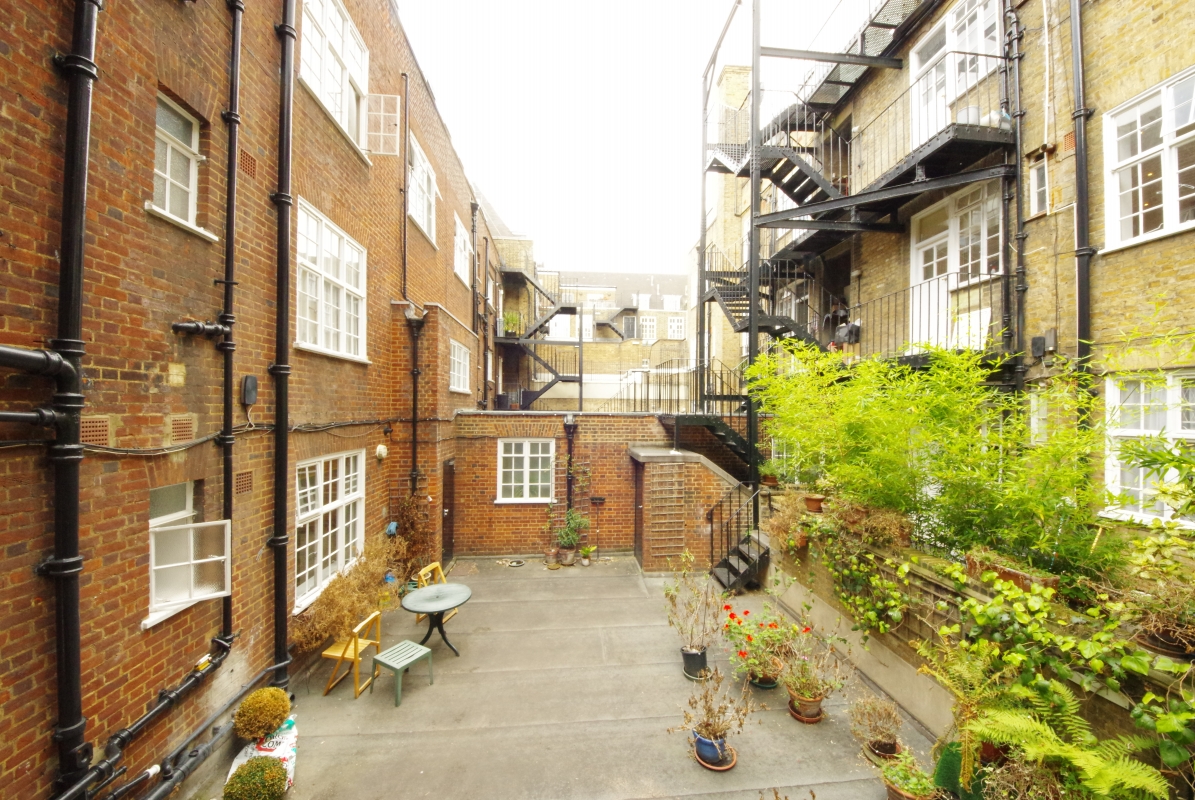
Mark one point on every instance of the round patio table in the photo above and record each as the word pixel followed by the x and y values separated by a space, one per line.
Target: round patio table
pixel 436 601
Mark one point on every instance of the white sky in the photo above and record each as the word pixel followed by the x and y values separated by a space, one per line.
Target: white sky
pixel 580 122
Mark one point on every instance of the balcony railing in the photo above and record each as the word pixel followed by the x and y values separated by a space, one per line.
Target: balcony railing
pixel 672 388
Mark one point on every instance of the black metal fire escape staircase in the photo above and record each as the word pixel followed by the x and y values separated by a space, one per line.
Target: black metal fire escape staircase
pixel 528 341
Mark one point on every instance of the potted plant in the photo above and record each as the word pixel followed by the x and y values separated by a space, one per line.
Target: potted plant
pixel 1164 601
pixel 586 553
pixel 711 717
pixel 906 780
pixel 876 723
pixel 761 643
pixel 511 321
pixel 570 535
pixel 811 675
pixel 693 601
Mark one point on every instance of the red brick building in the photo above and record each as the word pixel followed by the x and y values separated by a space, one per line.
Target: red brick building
pixel 150 327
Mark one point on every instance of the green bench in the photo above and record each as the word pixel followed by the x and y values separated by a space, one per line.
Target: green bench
pixel 398 659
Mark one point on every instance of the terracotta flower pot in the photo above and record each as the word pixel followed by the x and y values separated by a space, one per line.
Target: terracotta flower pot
pixel 806 709
pixel 900 794
pixel 885 750
pixel 568 556
pixel 813 503
pixel 1166 645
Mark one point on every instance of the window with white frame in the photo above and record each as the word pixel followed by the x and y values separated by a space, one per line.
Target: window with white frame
pixel 176 161
pixel 329 507
pixel 1039 198
pixel 331 287
pixel 334 63
pixel 422 190
pixel 647 328
pixel 458 368
pixel 1149 150
pixel 189 560
pixel 462 251
pixel 676 327
pixel 960 235
pixel 1161 406
pixel 525 470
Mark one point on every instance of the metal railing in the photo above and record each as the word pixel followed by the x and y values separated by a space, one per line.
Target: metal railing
pixel 731 523
pixel 948 311
pixel 957 88
pixel 671 388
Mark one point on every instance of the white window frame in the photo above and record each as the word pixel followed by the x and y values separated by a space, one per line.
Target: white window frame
pixel 512 464
pixel 1166 397
pixel 462 250
pixel 323 510
pixel 676 327
pixel 647 328
pixel 314 313
pixel 179 524
pixel 343 99
pixel 423 190
pixel 176 148
pixel 458 367
pixel 959 203
pixel 1167 152
pixel 1039 187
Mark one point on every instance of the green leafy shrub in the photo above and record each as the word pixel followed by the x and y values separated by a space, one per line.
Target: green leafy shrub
pixel 903 772
pixel 260 778
pixel 261 713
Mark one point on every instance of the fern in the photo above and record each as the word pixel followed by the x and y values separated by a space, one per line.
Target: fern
pixel 1049 729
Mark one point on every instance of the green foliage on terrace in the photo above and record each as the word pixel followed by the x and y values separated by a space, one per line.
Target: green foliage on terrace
pixel 949 449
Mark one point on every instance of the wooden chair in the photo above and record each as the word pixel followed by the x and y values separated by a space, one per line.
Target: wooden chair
pixel 368 633
pixel 430 574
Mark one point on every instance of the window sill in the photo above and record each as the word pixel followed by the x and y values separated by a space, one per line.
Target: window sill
pixel 1142 520
pixel 311 348
pixel 430 239
pixel 356 148
pixel 159 616
pixel 459 391
pixel 517 501
pixel 1147 238
pixel 154 211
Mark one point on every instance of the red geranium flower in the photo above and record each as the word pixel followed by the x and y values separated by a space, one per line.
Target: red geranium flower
pixel 738 622
pixel 742 654
pixel 749 638
pixel 772 625
pixel 732 616
pixel 727 607
pixel 806 629
pixel 746 612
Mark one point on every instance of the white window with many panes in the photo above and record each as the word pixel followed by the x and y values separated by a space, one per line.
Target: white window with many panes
pixel 176 167
pixel 647 328
pixel 188 560
pixel 525 470
pixel 1158 406
pixel 422 203
pixel 458 367
pixel 334 64
pixel 331 287
pixel 1149 153
pixel 462 250
pixel 329 507
pixel 676 327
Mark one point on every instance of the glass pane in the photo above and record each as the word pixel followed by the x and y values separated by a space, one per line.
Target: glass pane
pixel 172 547
pixel 172 585
pixel 159 191
pixel 168 500
pixel 1184 109
pixel 933 224
pixel 180 167
pixel 307 491
pixel 1186 181
pixel 1188 405
pixel 1151 127
pixel 176 124
pixel 208 542
pixel 331 480
pixel 931 48
pixel 160 148
pixel 179 202
pixel 1126 137
pixel 209 578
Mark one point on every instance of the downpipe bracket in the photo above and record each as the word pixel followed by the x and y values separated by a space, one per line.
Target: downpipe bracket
pixel 59 567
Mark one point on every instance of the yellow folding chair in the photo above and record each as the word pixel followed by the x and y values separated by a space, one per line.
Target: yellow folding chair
pixel 430 574
pixel 368 633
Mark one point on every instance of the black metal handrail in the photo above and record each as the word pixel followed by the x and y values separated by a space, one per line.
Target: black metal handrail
pixel 731 524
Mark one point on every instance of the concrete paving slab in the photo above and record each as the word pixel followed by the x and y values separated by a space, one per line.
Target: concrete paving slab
pixel 565 688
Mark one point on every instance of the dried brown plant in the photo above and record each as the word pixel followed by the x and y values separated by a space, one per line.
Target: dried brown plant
pixel 353 594
pixel 785 524
pixel 714 714
pixel 694 605
pixel 1017 779
pixel 874 719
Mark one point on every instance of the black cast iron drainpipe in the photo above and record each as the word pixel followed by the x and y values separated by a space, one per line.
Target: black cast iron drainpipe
pixel 105 771
pixel 570 432
pixel 63 361
pixel 1015 33
pixel 1083 249
pixel 280 369
pixel 415 324
pixel 473 263
pixel 226 345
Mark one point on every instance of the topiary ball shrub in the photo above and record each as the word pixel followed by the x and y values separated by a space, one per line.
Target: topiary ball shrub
pixel 261 713
pixel 260 778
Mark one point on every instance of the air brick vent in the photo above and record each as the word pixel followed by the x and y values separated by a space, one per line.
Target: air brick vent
pixel 242 482
pixel 96 430
pixel 247 163
pixel 1068 142
pixel 181 428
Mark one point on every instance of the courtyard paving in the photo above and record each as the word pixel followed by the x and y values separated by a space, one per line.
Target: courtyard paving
pixel 565 687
